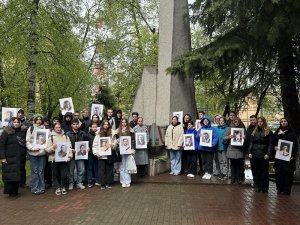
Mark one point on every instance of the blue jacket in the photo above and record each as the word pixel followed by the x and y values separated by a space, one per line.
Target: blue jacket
pixel 221 129
pixel 196 141
pixel 215 136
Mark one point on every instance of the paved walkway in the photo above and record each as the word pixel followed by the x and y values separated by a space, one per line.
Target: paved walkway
pixel 160 200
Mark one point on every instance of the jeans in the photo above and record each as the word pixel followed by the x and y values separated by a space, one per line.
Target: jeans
pixel 175 158
pixel 223 161
pixel 80 168
pixel 37 164
pixel 125 177
pixel 92 171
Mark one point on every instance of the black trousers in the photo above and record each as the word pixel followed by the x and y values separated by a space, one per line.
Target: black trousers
pixel 105 172
pixel 207 161
pixel 191 156
pixel 236 166
pixel 48 173
pixel 284 175
pixel 23 170
pixel 141 170
pixel 11 188
pixel 260 171
pixel 200 161
pixel 59 174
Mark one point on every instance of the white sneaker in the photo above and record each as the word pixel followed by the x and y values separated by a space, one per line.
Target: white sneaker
pixel 80 186
pixel 171 173
pixel 204 176
pixel 58 191
pixel 124 185
pixel 127 185
pixel 71 186
pixel 191 175
pixel 208 176
pixel 63 191
pixel 97 184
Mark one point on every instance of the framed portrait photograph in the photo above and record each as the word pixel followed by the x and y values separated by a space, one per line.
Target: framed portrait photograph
pixel 66 105
pixel 188 142
pixel 179 114
pixel 197 125
pixel 140 140
pixel 104 146
pixel 97 109
pixel 61 152
pixel 206 138
pixel 285 150
pixel 238 136
pixel 41 138
pixel 125 145
pixel 81 150
pixel 7 114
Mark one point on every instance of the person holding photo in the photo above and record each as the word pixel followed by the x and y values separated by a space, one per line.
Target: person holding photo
pixel 235 153
pixel 59 169
pixel 96 119
pixel 207 152
pixel 174 143
pixel 125 130
pixel 260 146
pixel 38 156
pixel 12 150
pixel 92 169
pixel 141 154
pixel 284 170
pixel 191 154
pixel 105 166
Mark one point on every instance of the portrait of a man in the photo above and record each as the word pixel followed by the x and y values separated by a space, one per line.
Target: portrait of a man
pixel 205 137
pixel 104 145
pixel 62 151
pixel 82 150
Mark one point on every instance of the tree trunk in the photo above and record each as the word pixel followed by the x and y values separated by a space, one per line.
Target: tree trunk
pixel 32 59
pixel 289 91
pixel 260 100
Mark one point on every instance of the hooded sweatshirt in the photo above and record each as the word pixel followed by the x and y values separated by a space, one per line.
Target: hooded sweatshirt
pixel 215 136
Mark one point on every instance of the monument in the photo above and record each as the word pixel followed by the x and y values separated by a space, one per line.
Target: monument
pixel 159 94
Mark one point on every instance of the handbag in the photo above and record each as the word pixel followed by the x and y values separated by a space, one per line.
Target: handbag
pixel 115 156
pixel 131 166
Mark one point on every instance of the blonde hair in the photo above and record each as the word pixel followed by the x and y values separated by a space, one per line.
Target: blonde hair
pixel 265 127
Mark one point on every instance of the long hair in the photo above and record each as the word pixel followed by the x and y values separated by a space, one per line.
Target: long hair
pixel 265 127
pixel 103 132
pixel 127 127
pixel 283 128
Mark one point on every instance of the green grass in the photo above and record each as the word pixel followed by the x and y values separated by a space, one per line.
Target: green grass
pixel 28 172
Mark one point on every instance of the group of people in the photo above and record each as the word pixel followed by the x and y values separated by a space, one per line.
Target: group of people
pixel 230 143
pixel 17 141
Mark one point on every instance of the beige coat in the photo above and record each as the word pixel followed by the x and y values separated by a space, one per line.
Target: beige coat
pixel 30 139
pixel 56 139
pixel 174 137
pixel 96 146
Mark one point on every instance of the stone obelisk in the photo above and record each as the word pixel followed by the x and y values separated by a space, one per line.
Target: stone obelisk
pixel 159 94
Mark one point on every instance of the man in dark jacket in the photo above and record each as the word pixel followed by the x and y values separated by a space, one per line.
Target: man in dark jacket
pixel 134 120
pixel 67 122
pixel 86 121
pixel 76 135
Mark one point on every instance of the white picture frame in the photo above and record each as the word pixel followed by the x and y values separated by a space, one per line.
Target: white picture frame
pixel 179 114
pixel 97 109
pixel 7 114
pixel 40 139
pixel 104 146
pixel 81 150
pixel 188 142
pixel 285 150
pixel 61 152
pixel 140 140
pixel 125 145
pixel 205 138
pixel 238 136
pixel 197 125
pixel 66 105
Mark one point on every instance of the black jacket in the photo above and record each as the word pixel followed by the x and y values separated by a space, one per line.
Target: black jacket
pixel 75 137
pixel 260 144
pixel 12 148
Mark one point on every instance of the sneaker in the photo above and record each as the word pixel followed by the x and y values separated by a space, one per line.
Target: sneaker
pixel 108 186
pixel 208 176
pixel 204 176
pixel 97 184
pixel 171 173
pixel 191 175
pixel 90 185
pixel 127 185
pixel 176 174
pixel 80 186
pixel 71 186
pixel 64 191
pixel 102 188
pixel 58 191
pixel 123 185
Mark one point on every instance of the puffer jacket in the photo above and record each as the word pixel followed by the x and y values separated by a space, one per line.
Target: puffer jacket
pixel 30 139
pixel 260 144
pixel 215 136
pixel 62 137
pixel 174 137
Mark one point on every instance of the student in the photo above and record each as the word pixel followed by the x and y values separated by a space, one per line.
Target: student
pixel 173 143
pixel 59 169
pixel 67 124
pixel 38 157
pixel 207 152
pixel 86 122
pixel 141 155
pixel 118 117
pixel 134 120
pixel 76 135
pixel 201 114
pixel 192 154
pixel 260 147
pixel 105 166
pixel 92 171
pixel 111 119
